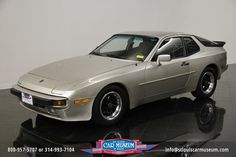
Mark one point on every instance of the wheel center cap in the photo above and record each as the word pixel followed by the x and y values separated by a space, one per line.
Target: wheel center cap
pixel 110 105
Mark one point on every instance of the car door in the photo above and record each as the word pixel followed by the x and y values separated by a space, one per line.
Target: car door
pixel 171 76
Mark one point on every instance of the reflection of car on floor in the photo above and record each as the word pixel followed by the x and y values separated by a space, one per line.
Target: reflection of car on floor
pixel 127 70
pixel 175 122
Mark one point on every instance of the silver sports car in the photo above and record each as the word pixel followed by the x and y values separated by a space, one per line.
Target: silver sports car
pixel 127 70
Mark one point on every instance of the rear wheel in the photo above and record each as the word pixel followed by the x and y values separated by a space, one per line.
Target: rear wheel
pixel 206 84
pixel 109 105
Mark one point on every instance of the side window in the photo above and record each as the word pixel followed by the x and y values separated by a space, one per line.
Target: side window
pixel 191 46
pixel 172 46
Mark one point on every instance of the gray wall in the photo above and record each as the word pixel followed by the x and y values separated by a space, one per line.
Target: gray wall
pixel 36 32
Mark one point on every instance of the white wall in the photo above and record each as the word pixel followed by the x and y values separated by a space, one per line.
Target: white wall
pixel 36 32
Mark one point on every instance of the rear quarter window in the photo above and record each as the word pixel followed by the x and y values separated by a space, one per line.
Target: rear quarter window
pixel 191 46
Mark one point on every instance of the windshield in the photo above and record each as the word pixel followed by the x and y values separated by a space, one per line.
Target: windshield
pixel 130 47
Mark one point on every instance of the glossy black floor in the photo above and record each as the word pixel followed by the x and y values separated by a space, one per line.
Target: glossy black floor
pixel 179 121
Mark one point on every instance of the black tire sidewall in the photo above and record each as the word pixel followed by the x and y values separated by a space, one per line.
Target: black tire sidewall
pixel 198 92
pixel 97 118
pixel 207 127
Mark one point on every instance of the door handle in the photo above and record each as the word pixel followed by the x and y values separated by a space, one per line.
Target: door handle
pixel 185 63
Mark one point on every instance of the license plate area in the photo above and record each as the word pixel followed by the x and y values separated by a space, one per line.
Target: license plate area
pixel 27 98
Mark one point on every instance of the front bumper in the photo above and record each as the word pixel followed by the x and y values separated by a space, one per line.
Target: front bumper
pixel 43 105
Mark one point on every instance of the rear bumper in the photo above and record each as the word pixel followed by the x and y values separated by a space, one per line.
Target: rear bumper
pixel 42 104
pixel 224 68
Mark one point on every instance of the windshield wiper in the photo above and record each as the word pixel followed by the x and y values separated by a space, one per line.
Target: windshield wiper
pixel 107 55
pixel 96 53
pixel 114 56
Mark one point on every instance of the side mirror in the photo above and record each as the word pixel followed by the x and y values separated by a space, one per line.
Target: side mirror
pixel 163 58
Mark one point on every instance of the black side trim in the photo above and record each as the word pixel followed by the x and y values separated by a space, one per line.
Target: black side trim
pixel 15 92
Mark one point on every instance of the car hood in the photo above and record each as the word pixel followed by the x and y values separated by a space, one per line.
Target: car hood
pixel 79 68
pixel 70 72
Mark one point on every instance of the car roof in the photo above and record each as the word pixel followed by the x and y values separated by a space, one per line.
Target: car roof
pixel 158 34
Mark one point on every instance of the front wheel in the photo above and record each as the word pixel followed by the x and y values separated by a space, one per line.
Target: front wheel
pixel 109 105
pixel 206 84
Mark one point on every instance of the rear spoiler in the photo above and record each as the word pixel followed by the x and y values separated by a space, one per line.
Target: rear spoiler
pixel 219 43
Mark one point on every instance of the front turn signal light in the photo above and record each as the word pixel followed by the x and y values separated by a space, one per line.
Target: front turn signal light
pixel 59 103
pixel 82 101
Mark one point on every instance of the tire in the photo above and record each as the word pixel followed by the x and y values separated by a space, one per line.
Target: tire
pixel 110 105
pixel 206 84
pixel 206 114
